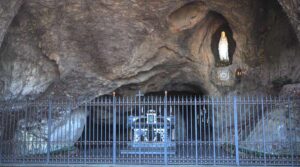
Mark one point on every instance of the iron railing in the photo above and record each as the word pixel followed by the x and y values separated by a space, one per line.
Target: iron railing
pixel 152 130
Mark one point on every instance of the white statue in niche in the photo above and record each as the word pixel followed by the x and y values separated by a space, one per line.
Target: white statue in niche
pixel 223 47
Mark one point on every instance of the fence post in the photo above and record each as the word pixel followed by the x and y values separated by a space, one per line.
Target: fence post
pixel 213 129
pixel 70 129
pixel 114 128
pixel 196 130
pixel 140 127
pixel 263 126
pixel 165 129
pixel 26 125
pixel 236 133
pixel 1 138
pixel 290 127
pixel 85 129
pixel 49 129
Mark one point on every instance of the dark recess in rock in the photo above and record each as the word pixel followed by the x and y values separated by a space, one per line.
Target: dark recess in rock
pixel 215 41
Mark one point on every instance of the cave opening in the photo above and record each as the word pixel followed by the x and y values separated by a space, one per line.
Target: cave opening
pixel 191 121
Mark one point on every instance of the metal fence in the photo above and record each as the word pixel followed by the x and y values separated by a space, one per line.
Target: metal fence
pixel 152 130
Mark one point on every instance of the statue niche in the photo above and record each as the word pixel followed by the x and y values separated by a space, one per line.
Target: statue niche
pixel 223 46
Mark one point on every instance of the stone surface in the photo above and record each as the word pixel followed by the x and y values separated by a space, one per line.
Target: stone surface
pixel 290 90
pixel 68 127
pixel 278 127
pixel 91 48
pixel 224 76
pixel 292 9
pixel 8 10
pixel 187 16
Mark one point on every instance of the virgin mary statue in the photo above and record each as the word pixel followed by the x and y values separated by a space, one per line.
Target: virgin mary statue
pixel 223 47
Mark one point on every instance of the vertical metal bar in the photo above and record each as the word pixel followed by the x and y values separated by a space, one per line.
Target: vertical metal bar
pixel 187 125
pixel 249 113
pixel 263 126
pixel 144 110
pixel 253 104
pixel 208 127
pixel 9 119
pixel 157 108
pixel 85 129
pixel 132 112
pixel 25 135
pixel 105 126
pixel 139 108
pixel 123 121
pixel 127 128
pixel 258 114
pixel 240 119
pixel 114 128
pixel 222 123
pixel 218 127
pixel 245 116
pixel 191 123
pixel 90 129
pixel 236 135
pixel 196 134
pixel 204 125
pixel 190 111
pixel 152 126
pixel 165 129
pixel 110 140
pixel 281 101
pixel 213 129
pixel 4 122
pixel 231 131
pixel 119 122
pixel 93 123
pixel 290 127
pixel 183 125
pixel 70 130
pixel 1 139
pixel 101 126
pixel 49 130
pixel 200 122
pixel 178 114
pixel 177 123
pixel 2 125
pixel 269 104
pixel 97 124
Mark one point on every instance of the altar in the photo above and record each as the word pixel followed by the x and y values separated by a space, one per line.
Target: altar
pixel 147 134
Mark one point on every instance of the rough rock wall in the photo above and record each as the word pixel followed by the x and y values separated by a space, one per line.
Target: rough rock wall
pixel 8 10
pixel 90 48
pixel 292 9
pixel 96 47
pixel 24 70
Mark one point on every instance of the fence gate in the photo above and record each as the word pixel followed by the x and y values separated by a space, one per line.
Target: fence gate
pixel 152 130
